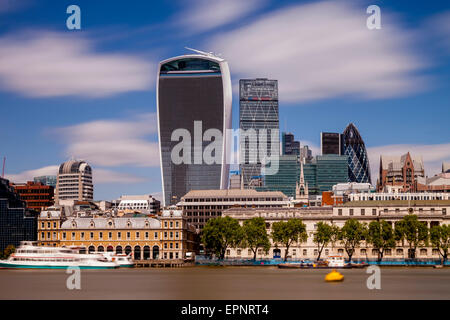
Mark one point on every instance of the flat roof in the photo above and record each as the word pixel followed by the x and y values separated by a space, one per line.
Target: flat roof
pixel 394 203
pixel 232 193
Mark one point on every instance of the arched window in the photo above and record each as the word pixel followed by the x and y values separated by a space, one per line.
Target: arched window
pixel 91 249
pixel 110 249
pixel 101 249
pixel 155 252
pixel 127 250
pixel 119 250
pixel 146 255
pixel 137 253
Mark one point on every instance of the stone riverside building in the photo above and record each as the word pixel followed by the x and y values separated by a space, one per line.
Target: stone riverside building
pixel 201 205
pixel 432 212
pixel 168 236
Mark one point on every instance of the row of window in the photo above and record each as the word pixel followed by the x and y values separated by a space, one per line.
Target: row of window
pixel 363 252
pixel 167 235
pixel 233 199
pixel 362 212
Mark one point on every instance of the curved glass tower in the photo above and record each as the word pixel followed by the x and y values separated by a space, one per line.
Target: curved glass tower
pixel 358 161
pixel 193 94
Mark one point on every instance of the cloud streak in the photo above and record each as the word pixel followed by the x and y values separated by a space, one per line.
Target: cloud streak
pixel 323 50
pixel 113 143
pixel 50 64
pixel 204 15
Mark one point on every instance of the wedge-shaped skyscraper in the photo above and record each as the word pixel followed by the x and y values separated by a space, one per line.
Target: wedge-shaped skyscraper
pixel 193 98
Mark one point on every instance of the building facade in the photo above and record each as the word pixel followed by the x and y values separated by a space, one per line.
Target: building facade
pixel 193 97
pixel 46 180
pixel 400 171
pixel 324 172
pixel 142 203
pixel 358 160
pixel 169 236
pixel 331 143
pixel 287 177
pixel 288 144
pixel 430 212
pixel 258 113
pixel 305 154
pixel 74 182
pixel 17 223
pixel 201 205
pixel 37 195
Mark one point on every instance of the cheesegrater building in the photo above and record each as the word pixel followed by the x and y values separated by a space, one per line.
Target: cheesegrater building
pixel 258 110
pixel 193 94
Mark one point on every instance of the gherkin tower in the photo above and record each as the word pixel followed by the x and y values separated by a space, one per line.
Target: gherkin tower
pixel 358 160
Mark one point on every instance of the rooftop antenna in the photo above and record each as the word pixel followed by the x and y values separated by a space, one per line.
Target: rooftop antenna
pixel 209 54
pixel 3 170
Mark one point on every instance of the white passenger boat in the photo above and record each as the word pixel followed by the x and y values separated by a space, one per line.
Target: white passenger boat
pixel 123 260
pixel 30 256
pixel 335 261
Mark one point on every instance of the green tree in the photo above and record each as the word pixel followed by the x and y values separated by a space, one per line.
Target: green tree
pixel 381 236
pixel 286 233
pixel 8 251
pixel 351 235
pixel 323 236
pixel 440 239
pixel 413 231
pixel 221 233
pixel 254 236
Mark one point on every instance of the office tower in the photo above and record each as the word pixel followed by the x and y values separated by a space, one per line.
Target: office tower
pixel 400 171
pixel 37 195
pixel 74 182
pixel 235 181
pixel 285 180
pixel 193 97
pixel 258 111
pixel 324 172
pixel 139 203
pixel 305 154
pixel 46 180
pixel 331 143
pixel 288 144
pixel 17 223
pixel 358 160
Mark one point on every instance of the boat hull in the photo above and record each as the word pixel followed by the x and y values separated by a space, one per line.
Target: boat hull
pixel 37 266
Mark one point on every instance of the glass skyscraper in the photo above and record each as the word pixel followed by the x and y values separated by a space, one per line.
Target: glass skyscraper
pixel 286 178
pixel 17 223
pixel 358 160
pixel 258 110
pixel 194 95
pixel 324 172
pixel 331 143
pixel 288 144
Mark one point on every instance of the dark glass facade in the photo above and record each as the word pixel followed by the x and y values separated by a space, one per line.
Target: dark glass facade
pixel 286 178
pixel 358 160
pixel 331 143
pixel 288 144
pixel 324 172
pixel 189 90
pixel 17 223
pixel 258 109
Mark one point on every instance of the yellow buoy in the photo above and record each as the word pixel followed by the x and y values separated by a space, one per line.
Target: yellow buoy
pixel 334 276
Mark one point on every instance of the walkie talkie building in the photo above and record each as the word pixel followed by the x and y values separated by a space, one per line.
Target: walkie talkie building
pixel 358 160
pixel 192 90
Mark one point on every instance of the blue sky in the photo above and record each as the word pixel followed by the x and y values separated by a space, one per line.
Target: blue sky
pixel 90 93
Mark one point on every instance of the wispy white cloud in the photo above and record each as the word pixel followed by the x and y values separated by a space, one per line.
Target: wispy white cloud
pixel 7 6
pixel 433 155
pixel 204 15
pixel 439 26
pixel 99 175
pixel 30 174
pixel 113 142
pixel 324 50
pixel 50 64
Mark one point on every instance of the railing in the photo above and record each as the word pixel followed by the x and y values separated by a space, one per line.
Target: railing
pixel 202 260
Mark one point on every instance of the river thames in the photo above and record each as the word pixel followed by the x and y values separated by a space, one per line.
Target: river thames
pixel 217 283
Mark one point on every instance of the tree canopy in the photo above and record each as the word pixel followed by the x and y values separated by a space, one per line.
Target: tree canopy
pixel 413 231
pixel 221 233
pixel 381 236
pixel 351 235
pixel 254 235
pixel 286 233
pixel 323 236
pixel 440 239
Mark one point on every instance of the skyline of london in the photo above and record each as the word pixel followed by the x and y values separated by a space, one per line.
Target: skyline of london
pixel 399 105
